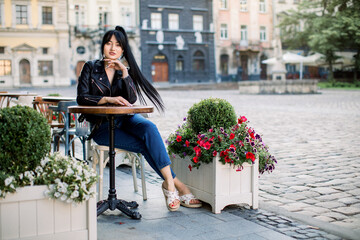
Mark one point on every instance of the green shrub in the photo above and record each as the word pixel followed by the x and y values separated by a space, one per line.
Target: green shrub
pixel 211 113
pixel 25 139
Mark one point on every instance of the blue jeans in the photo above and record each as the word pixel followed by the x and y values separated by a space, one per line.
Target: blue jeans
pixel 137 134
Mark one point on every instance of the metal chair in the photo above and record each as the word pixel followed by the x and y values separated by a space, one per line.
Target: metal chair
pixel 134 158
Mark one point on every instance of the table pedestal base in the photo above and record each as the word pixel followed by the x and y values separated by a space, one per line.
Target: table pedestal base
pixel 122 205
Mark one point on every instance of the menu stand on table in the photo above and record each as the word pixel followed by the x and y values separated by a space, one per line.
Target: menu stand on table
pixel 112 202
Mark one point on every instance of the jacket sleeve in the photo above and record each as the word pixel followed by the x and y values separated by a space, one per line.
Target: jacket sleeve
pixel 130 89
pixel 84 96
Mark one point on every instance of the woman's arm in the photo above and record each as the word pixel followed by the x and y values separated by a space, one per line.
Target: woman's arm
pixel 83 89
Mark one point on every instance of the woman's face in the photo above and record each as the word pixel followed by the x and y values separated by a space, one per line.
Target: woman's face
pixel 112 49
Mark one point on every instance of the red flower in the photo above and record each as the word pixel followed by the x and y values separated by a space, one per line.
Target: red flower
pixel 178 138
pixel 252 135
pixel 242 119
pixel 227 159
pixel 219 138
pixel 241 144
pixel 211 130
pixel 232 147
pixel 232 135
pixel 207 145
pixel 197 151
pixel 251 156
pixel 214 153
pixel 223 153
pixel 54 117
pixel 187 143
pixel 195 159
pixel 190 167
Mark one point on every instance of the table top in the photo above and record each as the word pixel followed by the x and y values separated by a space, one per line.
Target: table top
pixel 111 109
pixel 58 99
pixel 19 94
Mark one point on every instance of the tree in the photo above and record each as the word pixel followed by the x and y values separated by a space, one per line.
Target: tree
pixel 323 26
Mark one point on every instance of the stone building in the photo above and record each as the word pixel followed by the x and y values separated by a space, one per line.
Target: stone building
pixel 34 43
pixel 177 40
pixel 90 19
pixel 244 34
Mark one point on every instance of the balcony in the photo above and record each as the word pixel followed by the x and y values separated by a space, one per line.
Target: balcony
pixel 247 45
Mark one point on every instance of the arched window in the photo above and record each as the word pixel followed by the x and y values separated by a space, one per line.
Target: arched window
pixel 179 66
pixel 198 63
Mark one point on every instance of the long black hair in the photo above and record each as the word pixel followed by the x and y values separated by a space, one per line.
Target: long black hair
pixel 141 83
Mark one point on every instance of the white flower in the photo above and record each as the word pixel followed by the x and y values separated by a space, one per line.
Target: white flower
pixel 9 180
pixel 69 172
pixel 57 180
pixel 63 197
pixel 75 194
pixel 21 176
pixel 69 200
pixel 38 169
pixel 57 195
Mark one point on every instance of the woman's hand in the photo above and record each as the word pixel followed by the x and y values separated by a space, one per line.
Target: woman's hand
pixel 115 100
pixel 117 65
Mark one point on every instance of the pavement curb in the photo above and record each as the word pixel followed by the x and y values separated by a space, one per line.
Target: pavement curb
pixel 339 231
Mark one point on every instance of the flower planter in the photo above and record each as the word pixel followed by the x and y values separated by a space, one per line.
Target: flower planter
pixel 219 185
pixel 28 214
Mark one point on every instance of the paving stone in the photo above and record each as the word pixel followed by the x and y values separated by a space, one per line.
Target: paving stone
pixel 318 210
pixel 324 218
pixel 349 200
pixel 349 211
pixel 355 192
pixel 325 190
pixel 335 215
pixel 330 205
pixel 294 196
pixel 307 213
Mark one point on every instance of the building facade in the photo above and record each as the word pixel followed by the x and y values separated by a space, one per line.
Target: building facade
pixel 34 43
pixel 177 40
pixel 90 19
pixel 244 34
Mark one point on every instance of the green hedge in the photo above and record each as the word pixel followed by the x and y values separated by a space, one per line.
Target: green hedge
pixel 210 113
pixel 25 139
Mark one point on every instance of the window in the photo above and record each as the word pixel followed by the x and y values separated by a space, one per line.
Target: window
pixel 198 61
pixel 262 6
pixel 281 1
pixel 198 22
pixel 179 66
pixel 126 17
pixel 2 50
pixel 156 21
pixel 262 34
pixel 173 21
pixel 243 32
pixel 45 68
pixel 223 31
pixel 103 17
pixel 223 4
pixel 296 1
pixel 47 15
pixel 5 67
pixel 79 16
pixel 45 50
pixel 243 5
pixel 21 14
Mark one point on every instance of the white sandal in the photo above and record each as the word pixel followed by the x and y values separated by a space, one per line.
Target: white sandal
pixel 186 199
pixel 170 197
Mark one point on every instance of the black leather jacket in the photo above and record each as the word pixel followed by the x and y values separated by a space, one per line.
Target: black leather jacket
pixel 93 84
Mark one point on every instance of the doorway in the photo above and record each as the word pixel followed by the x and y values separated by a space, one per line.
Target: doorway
pixel 24 69
pixel 244 66
pixel 160 68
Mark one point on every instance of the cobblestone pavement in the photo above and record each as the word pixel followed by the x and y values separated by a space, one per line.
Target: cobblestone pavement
pixel 315 139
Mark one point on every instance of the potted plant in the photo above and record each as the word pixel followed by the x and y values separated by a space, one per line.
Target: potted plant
pixel 29 178
pixel 218 156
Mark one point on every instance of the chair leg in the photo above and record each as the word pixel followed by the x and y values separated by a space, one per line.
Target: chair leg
pixel 133 167
pixel 143 182
pixel 101 174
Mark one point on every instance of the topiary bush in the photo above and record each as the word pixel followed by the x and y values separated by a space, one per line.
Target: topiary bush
pixel 211 113
pixel 25 139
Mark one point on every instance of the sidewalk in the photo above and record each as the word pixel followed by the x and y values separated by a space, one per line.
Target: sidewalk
pixel 314 138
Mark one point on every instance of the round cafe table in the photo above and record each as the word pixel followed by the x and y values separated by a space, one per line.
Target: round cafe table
pixel 110 112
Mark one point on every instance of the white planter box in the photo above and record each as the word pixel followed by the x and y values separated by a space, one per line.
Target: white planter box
pixel 28 214
pixel 220 185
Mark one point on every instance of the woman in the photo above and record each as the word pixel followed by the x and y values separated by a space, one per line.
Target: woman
pixel 108 81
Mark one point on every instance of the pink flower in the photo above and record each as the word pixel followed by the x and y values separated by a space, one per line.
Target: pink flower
pixel 187 143
pixel 242 119
pixel 197 151
pixel 195 159
pixel 207 145
pixel 211 130
pixel 214 153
